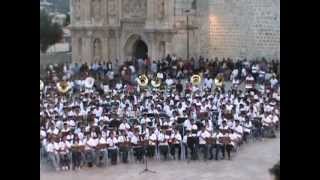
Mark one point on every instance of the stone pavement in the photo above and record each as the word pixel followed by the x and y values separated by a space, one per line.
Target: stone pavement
pixel 251 163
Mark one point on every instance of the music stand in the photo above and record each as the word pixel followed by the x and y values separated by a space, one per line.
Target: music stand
pixel 146 169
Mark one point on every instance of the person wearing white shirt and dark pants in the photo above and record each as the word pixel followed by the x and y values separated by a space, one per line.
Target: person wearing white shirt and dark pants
pixel 53 154
pixel 203 135
pixel 112 148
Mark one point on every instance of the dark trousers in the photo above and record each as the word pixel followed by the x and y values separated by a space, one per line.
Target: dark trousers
pixel 76 159
pixel 222 148
pixel 173 148
pixel 113 155
pixel 164 151
pixel 245 136
pixel 124 154
pixel 64 160
pixel 138 153
pixel 211 147
pixel 194 154
pixel 185 146
pixel 151 151
pixel 204 149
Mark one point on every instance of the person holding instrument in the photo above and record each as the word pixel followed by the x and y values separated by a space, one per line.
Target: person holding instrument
pixel 124 141
pixel 203 146
pixel 101 150
pixel 175 144
pixel 151 143
pixel 77 149
pixel 112 148
pixel 163 144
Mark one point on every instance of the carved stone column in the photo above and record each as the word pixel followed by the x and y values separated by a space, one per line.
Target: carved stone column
pixel 150 21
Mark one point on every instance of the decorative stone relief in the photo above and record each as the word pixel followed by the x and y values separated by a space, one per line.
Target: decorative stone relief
pixel 112 11
pixel 77 11
pixel 161 11
pixel 96 9
pixel 134 8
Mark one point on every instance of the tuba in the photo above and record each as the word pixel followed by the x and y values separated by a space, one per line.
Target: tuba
pixel 156 82
pixel 89 82
pixel 63 86
pixel 195 79
pixel 143 80
pixel 41 85
pixel 219 80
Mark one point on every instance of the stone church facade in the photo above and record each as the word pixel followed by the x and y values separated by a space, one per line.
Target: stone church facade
pixel 120 29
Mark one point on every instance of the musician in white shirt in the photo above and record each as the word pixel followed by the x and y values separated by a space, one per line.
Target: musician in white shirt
pixel 152 138
pixel 64 147
pixel 90 149
pixel 203 146
pixel 163 144
pixel 247 126
pixel 52 154
pixel 175 144
pixel 112 142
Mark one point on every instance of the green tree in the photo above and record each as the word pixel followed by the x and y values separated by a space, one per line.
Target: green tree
pixel 50 33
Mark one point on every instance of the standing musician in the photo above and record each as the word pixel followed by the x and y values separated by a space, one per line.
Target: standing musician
pixel 152 140
pixel 234 142
pixel 101 150
pixel 212 144
pixel 222 140
pixel 137 146
pixel 64 153
pixel 247 126
pixel 163 144
pixel 112 148
pixel 124 141
pixel 77 149
pixel 239 130
pixel 53 154
pixel 90 147
pixel 186 136
pixel 203 146
pixel 193 141
pixel 175 144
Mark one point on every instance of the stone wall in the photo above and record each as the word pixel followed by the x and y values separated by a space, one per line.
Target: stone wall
pixel 244 28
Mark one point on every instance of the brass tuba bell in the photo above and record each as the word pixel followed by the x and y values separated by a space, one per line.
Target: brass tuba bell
pixel 143 80
pixel 89 82
pixel 156 82
pixel 63 86
pixel 219 80
pixel 195 79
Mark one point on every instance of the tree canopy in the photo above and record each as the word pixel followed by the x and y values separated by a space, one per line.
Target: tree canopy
pixel 50 33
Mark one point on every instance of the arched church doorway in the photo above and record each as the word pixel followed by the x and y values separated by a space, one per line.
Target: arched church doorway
pixel 140 49
pixel 135 47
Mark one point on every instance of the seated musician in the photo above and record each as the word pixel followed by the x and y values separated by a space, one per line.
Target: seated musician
pixel 53 154
pixel 123 141
pixel 112 148
pixel 90 149
pixel 64 154
pixel 152 143
pixel 76 153
pixel 163 144
pixel 175 144
pixel 101 150
pixel 203 146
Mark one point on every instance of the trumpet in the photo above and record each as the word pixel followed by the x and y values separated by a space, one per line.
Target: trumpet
pixel 41 85
pixel 219 80
pixel 63 86
pixel 195 79
pixel 143 80
pixel 156 83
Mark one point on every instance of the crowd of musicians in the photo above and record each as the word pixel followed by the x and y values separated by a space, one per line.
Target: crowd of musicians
pixel 116 119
